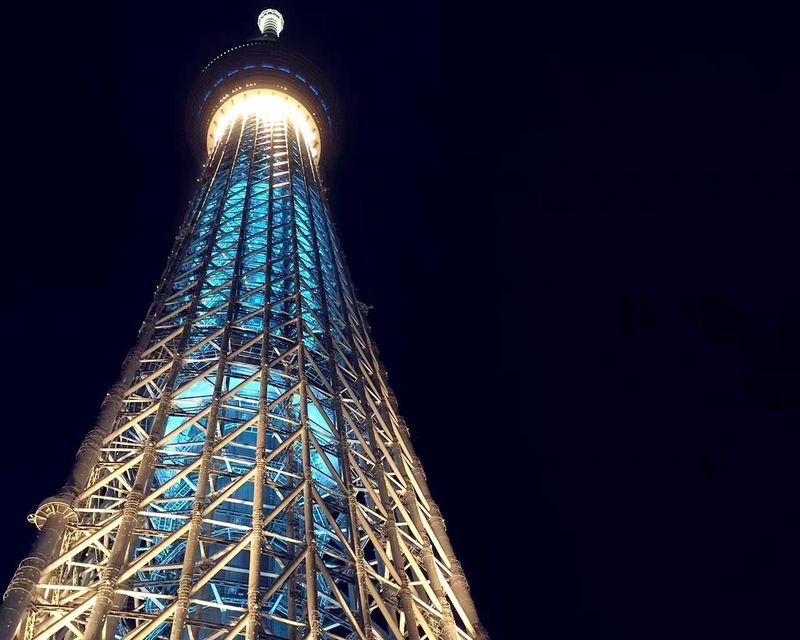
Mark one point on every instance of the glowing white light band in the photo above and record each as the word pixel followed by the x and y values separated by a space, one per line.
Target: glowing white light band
pixel 270 105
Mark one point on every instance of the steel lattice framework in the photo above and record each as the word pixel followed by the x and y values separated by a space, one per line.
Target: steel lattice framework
pixel 249 476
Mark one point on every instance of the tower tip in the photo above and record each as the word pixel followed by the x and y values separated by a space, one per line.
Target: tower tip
pixel 270 22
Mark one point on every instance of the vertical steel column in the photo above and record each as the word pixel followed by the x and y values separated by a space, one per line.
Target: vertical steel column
pixel 405 596
pixel 105 592
pixel 406 600
pixel 198 505
pixel 391 525
pixel 25 580
pixel 110 623
pixel 458 582
pixel 353 531
pixel 429 561
pixel 291 548
pixel 291 467
pixel 253 582
pixel 410 500
pixel 308 512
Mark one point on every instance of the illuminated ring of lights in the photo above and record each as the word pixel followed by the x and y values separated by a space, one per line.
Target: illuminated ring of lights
pixel 271 103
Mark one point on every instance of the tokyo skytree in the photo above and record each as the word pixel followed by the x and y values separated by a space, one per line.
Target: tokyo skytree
pixel 249 475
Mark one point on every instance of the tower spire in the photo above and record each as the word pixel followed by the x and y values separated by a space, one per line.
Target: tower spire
pixel 270 23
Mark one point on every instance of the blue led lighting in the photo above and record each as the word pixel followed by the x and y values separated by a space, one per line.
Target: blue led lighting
pixel 265 65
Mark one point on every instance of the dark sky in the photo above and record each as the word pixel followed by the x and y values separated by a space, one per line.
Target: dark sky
pixel 580 233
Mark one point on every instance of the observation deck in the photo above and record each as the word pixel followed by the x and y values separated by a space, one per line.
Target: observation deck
pixel 260 74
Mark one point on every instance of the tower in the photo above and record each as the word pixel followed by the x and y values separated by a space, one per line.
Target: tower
pixel 249 476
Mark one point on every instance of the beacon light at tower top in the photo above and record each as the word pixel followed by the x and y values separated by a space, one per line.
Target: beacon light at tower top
pixel 269 106
pixel 270 22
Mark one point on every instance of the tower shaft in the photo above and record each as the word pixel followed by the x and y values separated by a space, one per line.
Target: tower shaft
pixel 250 476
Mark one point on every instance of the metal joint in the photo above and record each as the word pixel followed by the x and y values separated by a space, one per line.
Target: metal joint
pixel 436 516
pixel 435 625
pixel 108 585
pixel 480 632
pixel 149 450
pixel 457 572
pixel 93 442
pixel 57 505
pixel 31 565
pixel 131 509
pixel 390 597
pixel 165 402
pixel 252 603
pixel 184 589
pixel 116 393
pixel 197 514
pixel 150 322
pixel 427 550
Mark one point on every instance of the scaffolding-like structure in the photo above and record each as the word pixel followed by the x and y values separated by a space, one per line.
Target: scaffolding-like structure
pixel 249 476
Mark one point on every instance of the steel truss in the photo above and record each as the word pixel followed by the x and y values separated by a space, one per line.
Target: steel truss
pixel 249 475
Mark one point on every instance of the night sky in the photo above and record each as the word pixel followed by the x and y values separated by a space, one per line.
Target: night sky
pixel 580 235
